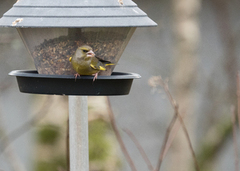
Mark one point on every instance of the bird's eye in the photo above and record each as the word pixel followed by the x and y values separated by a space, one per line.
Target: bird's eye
pixel 85 51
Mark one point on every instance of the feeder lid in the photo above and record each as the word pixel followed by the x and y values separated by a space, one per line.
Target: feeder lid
pixel 75 13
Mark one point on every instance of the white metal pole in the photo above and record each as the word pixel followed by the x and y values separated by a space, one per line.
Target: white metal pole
pixel 78 133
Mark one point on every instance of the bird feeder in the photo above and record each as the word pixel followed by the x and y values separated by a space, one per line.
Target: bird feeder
pixel 52 30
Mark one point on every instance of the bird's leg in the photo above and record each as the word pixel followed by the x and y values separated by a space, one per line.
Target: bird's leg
pixel 76 75
pixel 95 76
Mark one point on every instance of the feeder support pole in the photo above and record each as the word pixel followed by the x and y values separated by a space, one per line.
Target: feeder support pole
pixel 78 133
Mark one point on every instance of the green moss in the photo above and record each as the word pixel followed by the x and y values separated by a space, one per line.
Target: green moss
pixel 42 165
pixel 99 146
pixel 51 165
pixel 48 134
pixel 209 149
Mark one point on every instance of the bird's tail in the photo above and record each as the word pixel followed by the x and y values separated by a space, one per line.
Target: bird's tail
pixel 109 64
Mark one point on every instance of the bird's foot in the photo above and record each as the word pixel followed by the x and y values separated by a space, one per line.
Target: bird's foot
pixel 76 75
pixel 95 76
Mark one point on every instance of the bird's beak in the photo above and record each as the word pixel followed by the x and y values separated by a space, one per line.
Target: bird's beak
pixel 90 54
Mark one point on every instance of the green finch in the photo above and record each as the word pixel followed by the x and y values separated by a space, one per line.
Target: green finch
pixel 84 62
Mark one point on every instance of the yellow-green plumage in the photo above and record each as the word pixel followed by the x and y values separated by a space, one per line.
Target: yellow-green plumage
pixel 84 62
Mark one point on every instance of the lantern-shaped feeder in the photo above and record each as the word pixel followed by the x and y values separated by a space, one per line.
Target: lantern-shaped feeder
pixel 53 30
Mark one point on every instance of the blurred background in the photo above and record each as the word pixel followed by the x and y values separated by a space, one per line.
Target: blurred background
pixel 195 46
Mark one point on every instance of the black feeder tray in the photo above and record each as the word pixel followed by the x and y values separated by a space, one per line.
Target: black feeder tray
pixel 29 81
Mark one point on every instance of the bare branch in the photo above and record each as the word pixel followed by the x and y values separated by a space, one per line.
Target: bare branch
pixel 140 149
pixel 163 148
pixel 189 142
pixel 67 146
pixel 234 127
pixel 10 154
pixel 175 106
pixel 118 136
pixel 238 96
pixel 175 128
pixel 25 127
pixel 164 84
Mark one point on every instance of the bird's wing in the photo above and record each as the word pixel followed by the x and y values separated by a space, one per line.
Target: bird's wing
pixel 96 64
pixel 102 60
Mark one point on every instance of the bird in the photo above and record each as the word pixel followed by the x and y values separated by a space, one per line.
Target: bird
pixel 84 62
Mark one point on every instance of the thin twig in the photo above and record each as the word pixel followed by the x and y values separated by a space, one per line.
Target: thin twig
pixel 67 147
pixel 234 127
pixel 140 149
pixel 175 106
pixel 13 158
pixel 189 143
pixel 175 128
pixel 238 96
pixel 168 131
pixel 118 136
pixel 10 153
pixel 164 84
pixel 25 127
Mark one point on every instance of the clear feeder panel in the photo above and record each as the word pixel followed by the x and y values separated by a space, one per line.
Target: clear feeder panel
pixel 51 48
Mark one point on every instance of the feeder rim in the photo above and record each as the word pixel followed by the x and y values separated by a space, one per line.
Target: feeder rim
pixel 34 73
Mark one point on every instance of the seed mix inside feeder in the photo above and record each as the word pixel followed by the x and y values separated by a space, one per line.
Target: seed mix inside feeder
pixel 52 50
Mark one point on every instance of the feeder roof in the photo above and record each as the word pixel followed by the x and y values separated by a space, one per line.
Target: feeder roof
pixel 75 13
